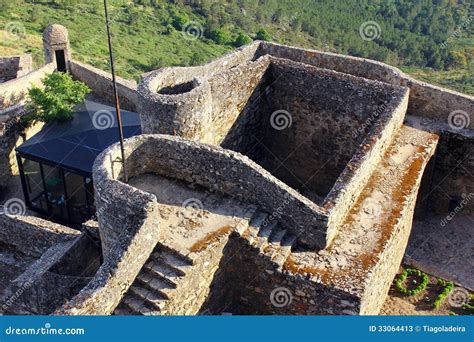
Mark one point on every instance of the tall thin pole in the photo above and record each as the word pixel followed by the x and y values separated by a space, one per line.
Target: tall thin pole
pixel 117 103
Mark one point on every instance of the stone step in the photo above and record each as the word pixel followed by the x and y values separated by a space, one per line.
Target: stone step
pixel 137 306
pixel 154 283
pixel 277 235
pixel 172 259
pixel 257 220
pixel 158 267
pixel 123 310
pixel 270 237
pixel 155 299
pixel 243 224
pixel 263 235
pixel 281 254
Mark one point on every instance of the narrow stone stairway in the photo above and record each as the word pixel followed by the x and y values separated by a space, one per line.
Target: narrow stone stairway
pixel 155 283
pixel 269 237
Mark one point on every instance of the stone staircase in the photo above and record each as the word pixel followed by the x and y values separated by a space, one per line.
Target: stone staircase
pixel 155 283
pixel 269 237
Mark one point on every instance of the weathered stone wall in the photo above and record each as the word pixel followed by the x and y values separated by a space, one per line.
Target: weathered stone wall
pixel 449 181
pixel 129 230
pixel 40 288
pixel 33 235
pixel 189 111
pixel 14 91
pixel 193 291
pixel 228 172
pixel 453 174
pixel 199 106
pixel 15 66
pixel 426 100
pixel 263 290
pixel 331 114
pixel 12 134
pixel 48 283
pixel 101 84
pixel 234 108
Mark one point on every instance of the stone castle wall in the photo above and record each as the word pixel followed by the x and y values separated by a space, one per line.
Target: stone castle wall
pixel 38 290
pixel 12 134
pixel 251 291
pixel 14 67
pixel 426 100
pixel 216 169
pixel 234 108
pixel 101 84
pixel 14 91
pixel 225 102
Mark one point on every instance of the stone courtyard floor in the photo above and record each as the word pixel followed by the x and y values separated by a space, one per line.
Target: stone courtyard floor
pixel 194 216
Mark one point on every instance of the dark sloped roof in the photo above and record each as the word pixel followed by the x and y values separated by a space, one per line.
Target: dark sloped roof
pixel 75 144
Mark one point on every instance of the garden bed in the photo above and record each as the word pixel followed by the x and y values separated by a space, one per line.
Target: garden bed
pixel 421 303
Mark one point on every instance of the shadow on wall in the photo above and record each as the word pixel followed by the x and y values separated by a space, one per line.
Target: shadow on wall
pixel 448 186
pixel 262 290
pixel 304 125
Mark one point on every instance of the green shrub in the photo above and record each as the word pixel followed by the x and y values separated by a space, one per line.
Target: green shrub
pixel 262 34
pixel 55 102
pixel 242 39
pixel 220 36
pixel 448 287
pixel 400 282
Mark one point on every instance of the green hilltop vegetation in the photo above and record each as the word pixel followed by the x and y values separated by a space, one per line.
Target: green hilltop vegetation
pixel 430 39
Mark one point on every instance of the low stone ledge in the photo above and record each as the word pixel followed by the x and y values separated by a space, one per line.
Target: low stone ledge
pixel 33 235
pixel 218 169
pixel 101 84
pixel 14 91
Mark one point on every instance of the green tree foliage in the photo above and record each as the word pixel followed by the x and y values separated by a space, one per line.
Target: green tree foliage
pixel 242 39
pixel 55 102
pixel 219 35
pixel 262 34
pixel 429 35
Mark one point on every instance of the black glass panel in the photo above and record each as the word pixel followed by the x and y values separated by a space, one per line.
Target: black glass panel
pixel 55 191
pixel 77 199
pixel 34 184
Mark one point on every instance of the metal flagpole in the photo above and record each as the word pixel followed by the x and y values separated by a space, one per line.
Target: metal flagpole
pixel 117 103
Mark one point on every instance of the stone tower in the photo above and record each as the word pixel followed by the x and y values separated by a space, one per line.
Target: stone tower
pixel 56 46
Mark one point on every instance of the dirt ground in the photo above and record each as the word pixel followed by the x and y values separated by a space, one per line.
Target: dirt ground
pixel 422 303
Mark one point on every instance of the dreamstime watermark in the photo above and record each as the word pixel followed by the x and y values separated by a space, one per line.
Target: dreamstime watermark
pixel 370 30
pixel 457 33
pixel 281 119
pixel 465 200
pixel 458 297
pixel 13 207
pixel 281 297
pixel 17 295
pixel 278 212
pixel 46 330
pixel 459 119
pixel 192 30
pixel 369 121
pixel 103 119
pixel 14 30
pixel 192 208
